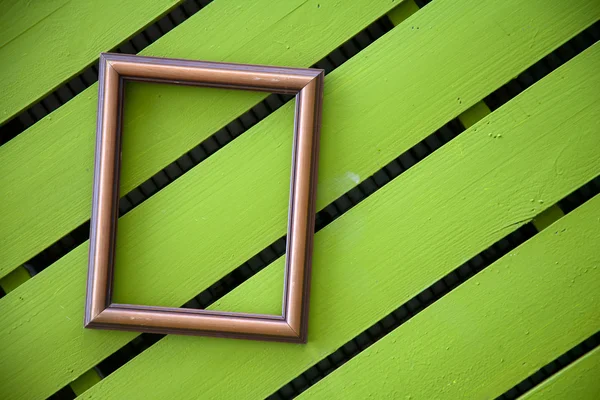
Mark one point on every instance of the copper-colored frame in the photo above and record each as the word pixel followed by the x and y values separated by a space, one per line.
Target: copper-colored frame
pixel 100 312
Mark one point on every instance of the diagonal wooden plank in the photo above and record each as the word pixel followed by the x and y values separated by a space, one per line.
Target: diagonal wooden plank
pixel 578 381
pixel 476 113
pixel 367 262
pixel 492 332
pixel 461 65
pixel 44 43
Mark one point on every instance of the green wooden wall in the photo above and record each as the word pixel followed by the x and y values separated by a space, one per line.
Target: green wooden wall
pixel 510 167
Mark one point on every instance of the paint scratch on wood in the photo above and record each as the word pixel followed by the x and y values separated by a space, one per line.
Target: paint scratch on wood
pixel 353 177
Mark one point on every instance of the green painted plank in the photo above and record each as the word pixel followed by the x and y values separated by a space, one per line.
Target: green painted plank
pixel 475 114
pixel 379 255
pixel 578 381
pixel 468 117
pixel 492 332
pixel 461 65
pixel 44 43
pixel 257 163
pixel 34 214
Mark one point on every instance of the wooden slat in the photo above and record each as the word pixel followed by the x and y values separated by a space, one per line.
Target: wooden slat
pixel 395 243
pixel 44 43
pixel 462 65
pixel 15 279
pixel 475 114
pixel 578 381
pixel 51 348
pixel 493 331
pixel 46 172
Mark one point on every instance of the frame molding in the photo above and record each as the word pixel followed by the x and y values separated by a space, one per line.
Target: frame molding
pixel 307 85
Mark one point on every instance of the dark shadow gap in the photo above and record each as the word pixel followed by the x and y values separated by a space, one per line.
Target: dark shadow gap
pixel 552 368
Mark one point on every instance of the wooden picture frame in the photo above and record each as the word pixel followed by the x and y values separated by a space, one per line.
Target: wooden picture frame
pixel 307 85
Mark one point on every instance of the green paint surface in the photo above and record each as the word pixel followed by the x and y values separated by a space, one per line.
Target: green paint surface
pixel 495 330
pixel 43 43
pixel 46 172
pixel 578 381
pixel 379 249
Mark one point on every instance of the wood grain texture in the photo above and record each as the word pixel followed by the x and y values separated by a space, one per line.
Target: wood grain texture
pixel 493 331
pixel 44 43
pixel 382 252
pixel 160 248
pixel 578 381
pixel 459 67
pixel 46 172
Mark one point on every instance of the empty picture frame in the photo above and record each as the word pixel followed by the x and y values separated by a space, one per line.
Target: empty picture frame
pixel 307 85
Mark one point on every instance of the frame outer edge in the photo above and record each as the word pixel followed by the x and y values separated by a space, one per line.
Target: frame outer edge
pixel 103 227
